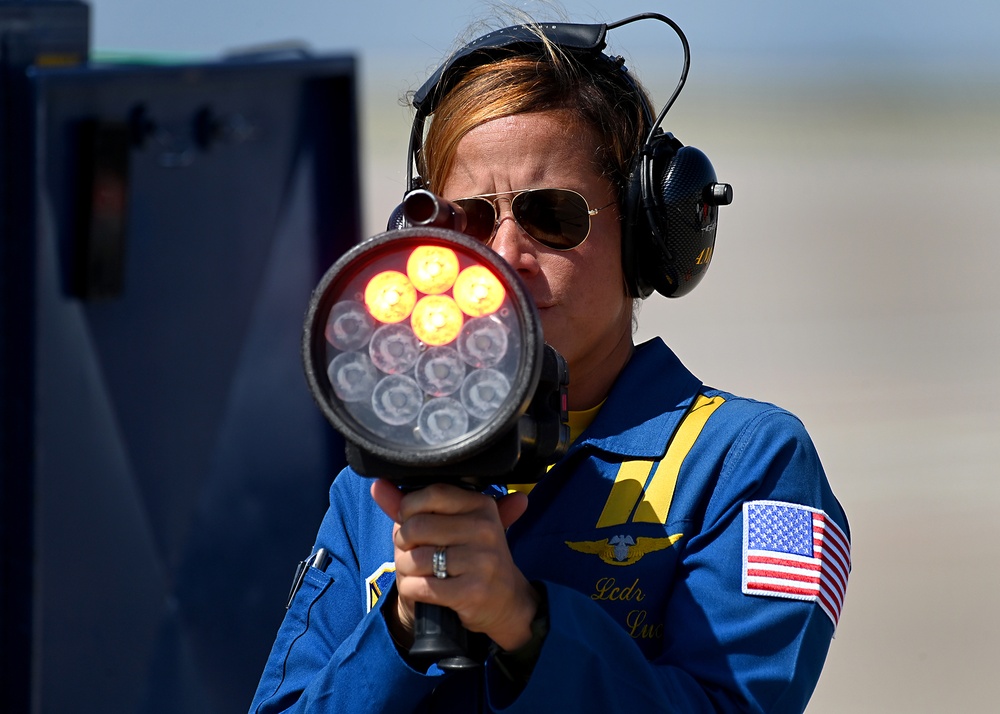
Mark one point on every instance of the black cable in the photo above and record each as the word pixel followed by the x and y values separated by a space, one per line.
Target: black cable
pixel 684 69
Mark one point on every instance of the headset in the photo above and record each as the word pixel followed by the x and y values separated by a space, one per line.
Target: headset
pixel 671 201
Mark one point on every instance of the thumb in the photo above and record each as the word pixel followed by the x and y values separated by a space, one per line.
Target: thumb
pixel 388 497
pixel 511 507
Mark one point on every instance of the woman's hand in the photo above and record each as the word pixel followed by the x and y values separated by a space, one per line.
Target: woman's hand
pixel 484 586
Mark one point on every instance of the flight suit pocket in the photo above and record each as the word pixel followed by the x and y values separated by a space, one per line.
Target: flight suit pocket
pixel 314 583
pixel 309 587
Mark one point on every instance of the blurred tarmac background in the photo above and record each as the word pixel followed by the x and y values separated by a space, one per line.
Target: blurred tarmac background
pixel 853 282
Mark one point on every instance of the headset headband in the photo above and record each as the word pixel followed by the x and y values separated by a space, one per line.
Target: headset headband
pixel 579 38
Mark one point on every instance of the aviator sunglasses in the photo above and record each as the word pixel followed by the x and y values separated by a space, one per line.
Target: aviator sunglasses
pixel 558 218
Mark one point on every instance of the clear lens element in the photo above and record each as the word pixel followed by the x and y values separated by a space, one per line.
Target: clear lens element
pixel 349 326
pixel 352 376
pixel 397 399
pixel 440 371
pixel 442 420
pixel 483 342
pixel 483 392
pixel 394 348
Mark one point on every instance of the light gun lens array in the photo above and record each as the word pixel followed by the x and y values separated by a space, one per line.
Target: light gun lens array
pixel 423 346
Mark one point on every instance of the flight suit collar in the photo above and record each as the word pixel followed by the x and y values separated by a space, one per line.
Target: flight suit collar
pixel 645 406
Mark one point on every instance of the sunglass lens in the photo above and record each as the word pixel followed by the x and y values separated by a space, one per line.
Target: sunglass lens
pixel 555 217
pixel 480 218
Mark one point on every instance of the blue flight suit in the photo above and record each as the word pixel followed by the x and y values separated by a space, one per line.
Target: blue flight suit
pixel 641 555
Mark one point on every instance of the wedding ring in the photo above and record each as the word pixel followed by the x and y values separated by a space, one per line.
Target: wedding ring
pixel 439 564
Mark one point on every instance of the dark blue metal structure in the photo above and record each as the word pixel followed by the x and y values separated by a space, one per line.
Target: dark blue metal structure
pixel 163 465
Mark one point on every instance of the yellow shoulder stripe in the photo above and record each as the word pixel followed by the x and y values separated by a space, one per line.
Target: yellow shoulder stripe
pixel 651 501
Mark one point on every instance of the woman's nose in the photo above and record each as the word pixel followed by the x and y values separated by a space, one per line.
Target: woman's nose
pixel 512 244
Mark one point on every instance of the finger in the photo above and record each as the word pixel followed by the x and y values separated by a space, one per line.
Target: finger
pixel 430 590
pixel 388 497
pixel 452 565
pixel 511 507
pixel 441 498
pixel 434 529
pixel 419 562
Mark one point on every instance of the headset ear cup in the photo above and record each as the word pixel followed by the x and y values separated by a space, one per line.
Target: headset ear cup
pixel 643 258
pixel 673 226
pixel 687 219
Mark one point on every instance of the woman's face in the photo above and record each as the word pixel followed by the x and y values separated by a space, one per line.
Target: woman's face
pixel 586 314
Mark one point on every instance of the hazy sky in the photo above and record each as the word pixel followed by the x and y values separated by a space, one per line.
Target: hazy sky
pixel 939 39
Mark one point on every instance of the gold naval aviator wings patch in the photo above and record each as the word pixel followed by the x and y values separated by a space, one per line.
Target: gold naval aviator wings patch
pixel 623 549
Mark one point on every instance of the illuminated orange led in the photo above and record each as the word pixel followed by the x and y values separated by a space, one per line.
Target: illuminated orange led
pixel 390 296
pixel 436 320
pixel 432 269
pixel 478 291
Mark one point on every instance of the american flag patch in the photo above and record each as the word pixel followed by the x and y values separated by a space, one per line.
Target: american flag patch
pixel 796 552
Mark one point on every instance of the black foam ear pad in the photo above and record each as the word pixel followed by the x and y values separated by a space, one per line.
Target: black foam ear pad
pixel 671 215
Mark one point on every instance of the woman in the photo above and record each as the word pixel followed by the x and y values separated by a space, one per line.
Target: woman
pixel 636 573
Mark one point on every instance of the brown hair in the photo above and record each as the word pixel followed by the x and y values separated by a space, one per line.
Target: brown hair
pixel 542 79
